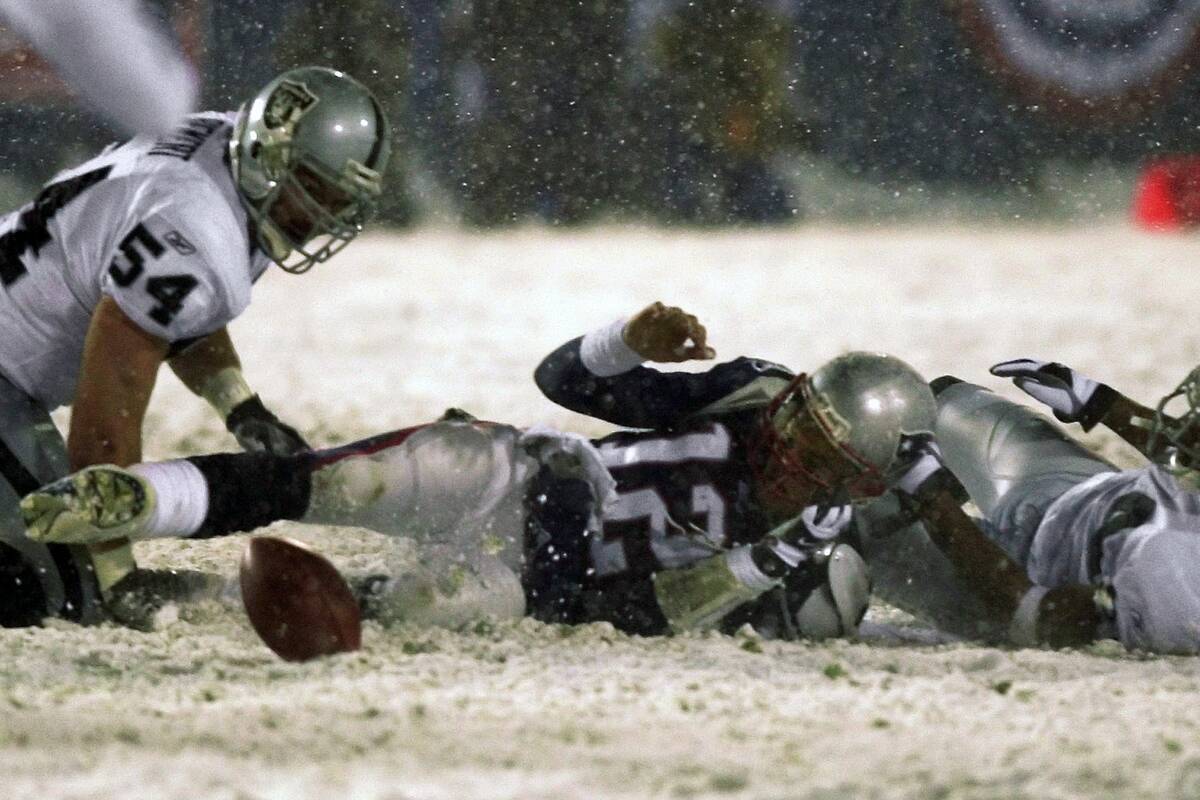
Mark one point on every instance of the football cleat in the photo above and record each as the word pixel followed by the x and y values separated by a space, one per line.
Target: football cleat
pixel 97 504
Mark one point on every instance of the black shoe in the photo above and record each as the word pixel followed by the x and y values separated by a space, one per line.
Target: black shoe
pixel 136 599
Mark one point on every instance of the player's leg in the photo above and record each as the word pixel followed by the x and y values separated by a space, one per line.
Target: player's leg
pixel 455 487
pixel 437 584
pixel 453 482
pixel 1013 462
pixel 198 497
pixel 910 572
pixel 458 489
pixel 432 482
pixel 36 580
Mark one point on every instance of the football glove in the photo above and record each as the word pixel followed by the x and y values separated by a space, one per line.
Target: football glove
pixel 258 430
pixel 1071 396
pixel 667 334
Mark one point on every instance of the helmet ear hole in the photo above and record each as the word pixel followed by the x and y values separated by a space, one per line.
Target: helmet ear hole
pixel 255 149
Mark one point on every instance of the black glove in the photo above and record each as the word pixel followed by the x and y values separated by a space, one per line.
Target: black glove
pixel 258 430
pixel 1071 395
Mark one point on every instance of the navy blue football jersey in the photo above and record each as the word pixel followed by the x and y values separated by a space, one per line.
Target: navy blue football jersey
pixel 684 484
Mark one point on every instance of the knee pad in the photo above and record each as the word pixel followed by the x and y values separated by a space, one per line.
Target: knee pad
pixel 449 481
pixel 993 445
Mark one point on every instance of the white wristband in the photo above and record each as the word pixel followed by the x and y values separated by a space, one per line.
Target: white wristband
pixel 1022 631
pixel 604 352
pixel 226 389
pixel 182 498
pixel 742 567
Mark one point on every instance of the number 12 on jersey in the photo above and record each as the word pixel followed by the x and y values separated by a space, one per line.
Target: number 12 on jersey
pixel 648 504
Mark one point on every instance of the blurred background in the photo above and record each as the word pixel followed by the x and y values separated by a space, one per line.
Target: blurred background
pixel 706 112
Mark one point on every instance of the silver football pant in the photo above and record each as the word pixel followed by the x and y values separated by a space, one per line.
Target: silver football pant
pixel 911 573
pixel 1013 462
pixel 32 453
pixel 458 489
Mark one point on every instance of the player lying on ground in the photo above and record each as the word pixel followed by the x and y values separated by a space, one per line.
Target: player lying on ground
pixel 141 256
pixel 1078 549
pixel 706 515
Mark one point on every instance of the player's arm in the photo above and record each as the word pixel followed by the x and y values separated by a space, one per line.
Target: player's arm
pixel 211 368
pixel 600 374
pixel 1060 617
pixel 116 378
pixel 1074 397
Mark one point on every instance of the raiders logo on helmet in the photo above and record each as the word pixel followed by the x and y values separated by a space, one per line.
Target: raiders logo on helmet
pixel 287 104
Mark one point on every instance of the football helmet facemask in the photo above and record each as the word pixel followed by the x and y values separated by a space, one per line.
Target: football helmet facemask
pixel 1175 438
pixel 840 430
pixel 308 154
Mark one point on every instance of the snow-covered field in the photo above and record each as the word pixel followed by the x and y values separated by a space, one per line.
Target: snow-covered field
pixel 400 327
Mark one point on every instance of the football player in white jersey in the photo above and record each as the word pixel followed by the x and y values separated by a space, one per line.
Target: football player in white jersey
pixel 113 56
pixel 141 256
pixel 703 511
pixel 1070 548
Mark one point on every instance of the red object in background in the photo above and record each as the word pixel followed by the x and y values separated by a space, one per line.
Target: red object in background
pixel 1167 195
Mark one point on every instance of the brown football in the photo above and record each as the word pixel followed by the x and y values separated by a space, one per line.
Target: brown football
pixel 297 601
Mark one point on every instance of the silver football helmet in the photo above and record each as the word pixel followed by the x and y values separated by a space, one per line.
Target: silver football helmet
pixel 844 426
pixel 308 154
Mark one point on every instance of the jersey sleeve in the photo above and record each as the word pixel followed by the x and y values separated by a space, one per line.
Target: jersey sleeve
pixel 643 397
pixel 168 282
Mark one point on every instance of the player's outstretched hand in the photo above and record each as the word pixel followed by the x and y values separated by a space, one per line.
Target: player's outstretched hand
pixel 258 430
pixel 1072 397
pixel 667 334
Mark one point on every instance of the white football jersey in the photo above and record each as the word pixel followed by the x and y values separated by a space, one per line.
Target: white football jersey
pixel 1153 569
pixel 157 225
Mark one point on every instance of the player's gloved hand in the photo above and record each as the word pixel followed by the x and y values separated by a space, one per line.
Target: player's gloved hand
pixel 257 430
pixel 667 334
pixel 1071 396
